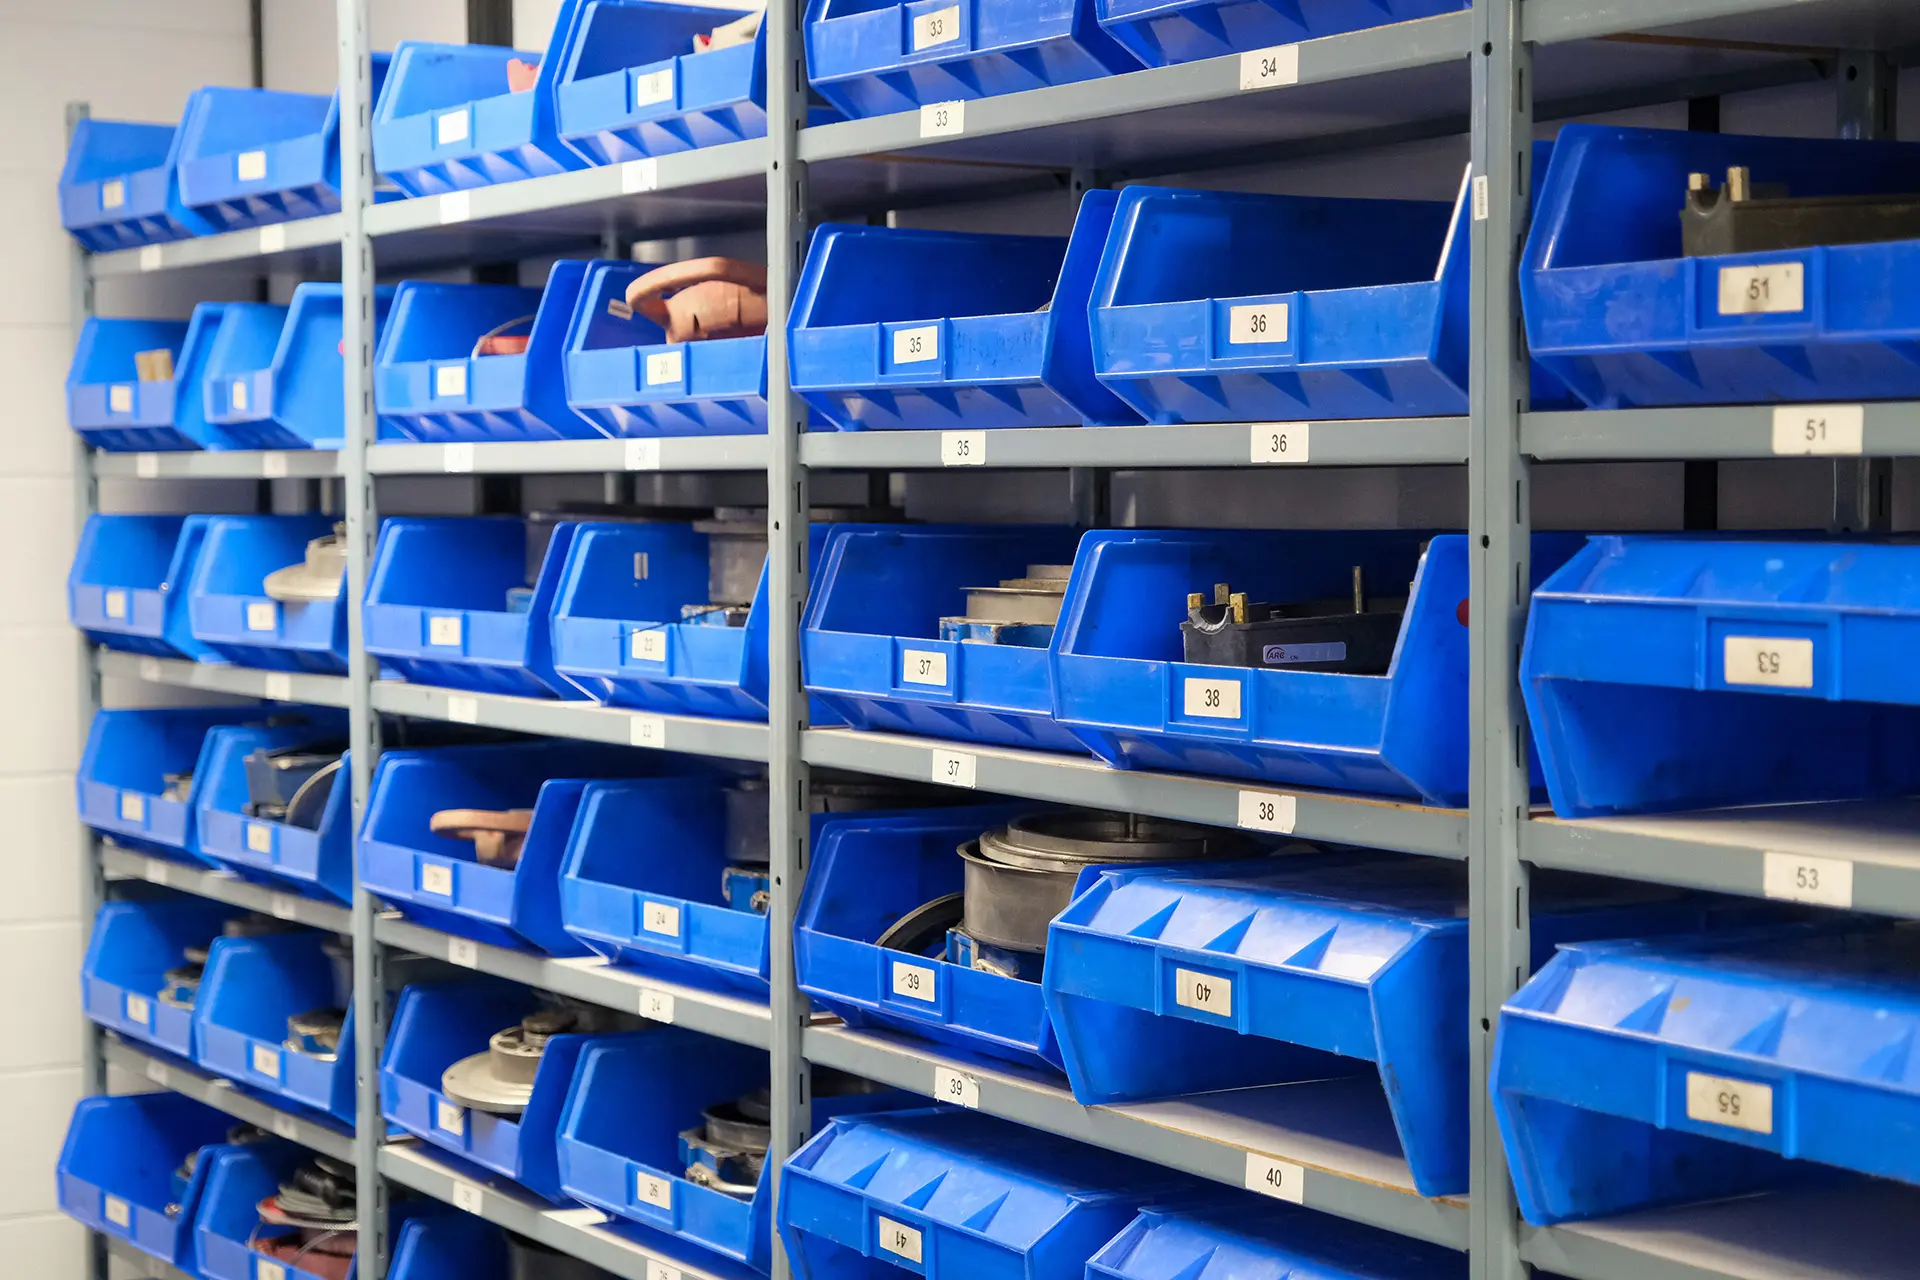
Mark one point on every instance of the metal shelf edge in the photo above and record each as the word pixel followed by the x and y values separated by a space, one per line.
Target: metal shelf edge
pixel 668 453
pixel 138 1262
pixel 218 464
pixel 279 686
pixel 221 1095
pixel 729 739
pixel 226 246
pixel 224 886
pixel 1888 430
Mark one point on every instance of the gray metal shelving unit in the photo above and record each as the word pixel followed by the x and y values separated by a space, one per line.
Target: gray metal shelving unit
pixel 1490 72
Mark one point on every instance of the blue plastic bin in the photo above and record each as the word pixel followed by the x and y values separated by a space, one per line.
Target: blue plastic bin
pixel 438 881
pixel 628 380
pixel 117 1165
pixel 113 410
pixel 128 586
pixel 436 1025
pixel 445 120
pixel 439 1246
pixel 1161 32
pixel 430 386
pixel 1678 673
pixel 274 376
pixel 317 860
pixel 1615 309
pixel 875 57
pixel 1120 684
pixel 928 330
pixel 123 770
pixel 129 951
pixel 1242 1238
pixel 1637 1073
pixel 250 988
pixel 874 615
pixel 630 84
pixel 437 608
pixel 231 612
pixel 865 875
pixel 238 1178
pixel 119 187
pixel 956 1195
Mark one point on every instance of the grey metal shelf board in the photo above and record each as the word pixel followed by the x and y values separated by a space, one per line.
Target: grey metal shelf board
pixel 578 1233
pixel 1729 850
pixel 1865 1230
pixel 1816 24
pixel 1371 442
pixel 218 464
pixel 592 979
pixel 131 1261
pixel 221 1095
pixel 1338 1133
pixel 281 686
pixel 310 246
pixel 730 739
pixel 1036 775
pixel 224 886
pixel 1891 429
pixel 672 453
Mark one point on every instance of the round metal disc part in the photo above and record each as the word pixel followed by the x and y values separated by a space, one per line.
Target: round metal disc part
pixel 918 931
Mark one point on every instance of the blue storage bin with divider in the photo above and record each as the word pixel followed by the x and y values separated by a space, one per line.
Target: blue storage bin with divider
pixel 123 977
pixel 228 1228
pixel 261 1018
pixel 1686 673
pixel 121 1169
pixel 137 781
pixel 1620 310
pixel 128 586
pixel 626 378
pixel 302 837
pixel 957 1195
pixel 120 186
pixel 1175 981
pixel 435 380
pixel 437 1246
pixel 447 120
pixel 1163 32
pixel 1241 1238
pixel 117 405
pixel 1122 685
pixel 903 328
pixel 1637 1073
pixel 464 603
pixel 232 612
pixel 875 57
pixel 275 378
pixel 439 880
pixel 888 645
pixel 867 877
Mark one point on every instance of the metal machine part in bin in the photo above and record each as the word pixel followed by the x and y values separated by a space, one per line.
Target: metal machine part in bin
pixel 1749 217
pixel 747 882
pixel 727 1150
pixel 239 1136
pixel 310 1221
pixel 499 1081
pixel 318 576
pixel 181 983
pixel 1309 635
pixel 291 784
pixel 1018 611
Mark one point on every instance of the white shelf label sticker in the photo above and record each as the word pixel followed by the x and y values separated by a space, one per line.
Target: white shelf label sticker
pixel 287 1127
pixel 435 878
pixel 643 455
pixel 1213 699
pixel 652 1189
pixel 457 459
pixel 116 603
pixel 120 398
pixel 156 871
pixel 1278 443
pixel 150 258
pixel 1203 991
pixel 133 807
pixel 467 1198
pixel 658 1270
pixel 653 87
pixel 463 710
pixel 463 952
pixel 1265 322
pixel 157 1072
pixel 1482 198
pixel 265 1270
pixel 1737 1104
pixel 963 448
pixel 273 466
pixel 238 394
pixel 277 686
pixel 262 615
pixel 450 380
pixel 449 1119
pixel 266 1061
pixel 656 1005
pixel 455 206
pixel 273 239
pixel 452 127
pixel 117 1211
pixel 937 27
pixel 658 917
pixel 1281 1179
pixel 650 645
pixel 916 346
pixel 250 166
pixel 955 768
pixel 259 837
pixel 1773 661
pixel 1271 68
pixel 898 1238
pixel 914 981
pixel 443 631
pixel 943 119
pixel 1802 430
pixel 139 1009
pixel 146 465
pixel 922 666
pixel 648 731
pixel 665 366
pixel 1766 289
pixel 149 668
pixel 957 1087
pixel 1823 882
pixel 113 193
pixel 1266 811
pixel 640 175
